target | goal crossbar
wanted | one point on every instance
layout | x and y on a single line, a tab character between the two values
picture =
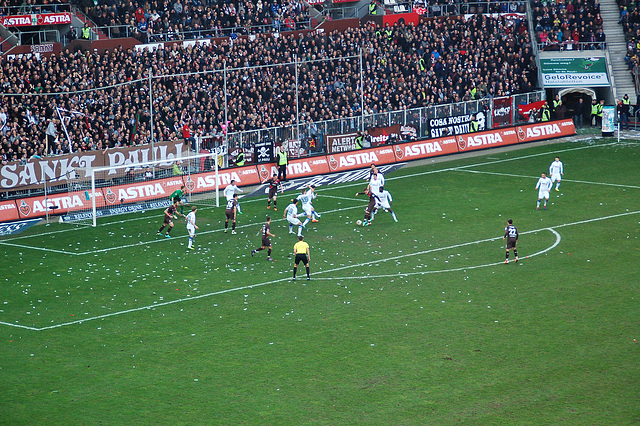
129	170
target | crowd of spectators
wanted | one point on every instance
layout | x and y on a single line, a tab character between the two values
437	62
630	21
568	24
162	20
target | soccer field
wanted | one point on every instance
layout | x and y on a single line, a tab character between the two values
415	322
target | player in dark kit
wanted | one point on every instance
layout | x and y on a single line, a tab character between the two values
511	235
371	208
230	214
273	191
266	243
169	214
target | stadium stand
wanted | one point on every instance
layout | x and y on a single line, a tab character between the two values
437	62
157	21
570	25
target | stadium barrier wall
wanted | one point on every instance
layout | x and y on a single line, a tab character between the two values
117	197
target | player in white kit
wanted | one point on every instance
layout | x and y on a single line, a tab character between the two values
191	226
291	213
305	198
556	171
230	190
376	181
385	202
543	186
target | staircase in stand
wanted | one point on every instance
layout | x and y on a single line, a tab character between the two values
617	46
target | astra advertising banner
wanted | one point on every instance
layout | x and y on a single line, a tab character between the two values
154	194
339	162
37	19
548	130
56	203
8	211
425	149
574	72
302	167
489	139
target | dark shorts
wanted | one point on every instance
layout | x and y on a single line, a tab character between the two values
511	243
167	220
176	199
301	258
273	192
266	242
229	214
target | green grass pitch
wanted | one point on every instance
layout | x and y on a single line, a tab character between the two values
415	322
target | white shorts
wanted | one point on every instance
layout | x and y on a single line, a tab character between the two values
543	194
385	205
191	229
293	220
308	209
556	177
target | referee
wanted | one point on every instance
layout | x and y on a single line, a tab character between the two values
301	250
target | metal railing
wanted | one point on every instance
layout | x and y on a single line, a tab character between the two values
570	46
39	37
435	10
125	31
418	117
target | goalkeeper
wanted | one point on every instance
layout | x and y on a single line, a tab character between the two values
176	197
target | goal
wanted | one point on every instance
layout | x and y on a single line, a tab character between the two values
137	187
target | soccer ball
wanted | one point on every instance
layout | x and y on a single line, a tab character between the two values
358	222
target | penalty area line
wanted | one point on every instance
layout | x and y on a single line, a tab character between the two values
251	286
321	272
39	248
463	268
537	177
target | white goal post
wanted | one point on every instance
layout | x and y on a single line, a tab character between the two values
138	187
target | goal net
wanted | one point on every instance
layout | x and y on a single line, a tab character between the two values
130	188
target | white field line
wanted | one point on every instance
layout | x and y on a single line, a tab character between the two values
345	186
338	198
464	268
163	239
563	179
201	296
552	229
248	225
20	326
39	248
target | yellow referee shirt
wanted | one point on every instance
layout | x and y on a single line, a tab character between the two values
300	247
